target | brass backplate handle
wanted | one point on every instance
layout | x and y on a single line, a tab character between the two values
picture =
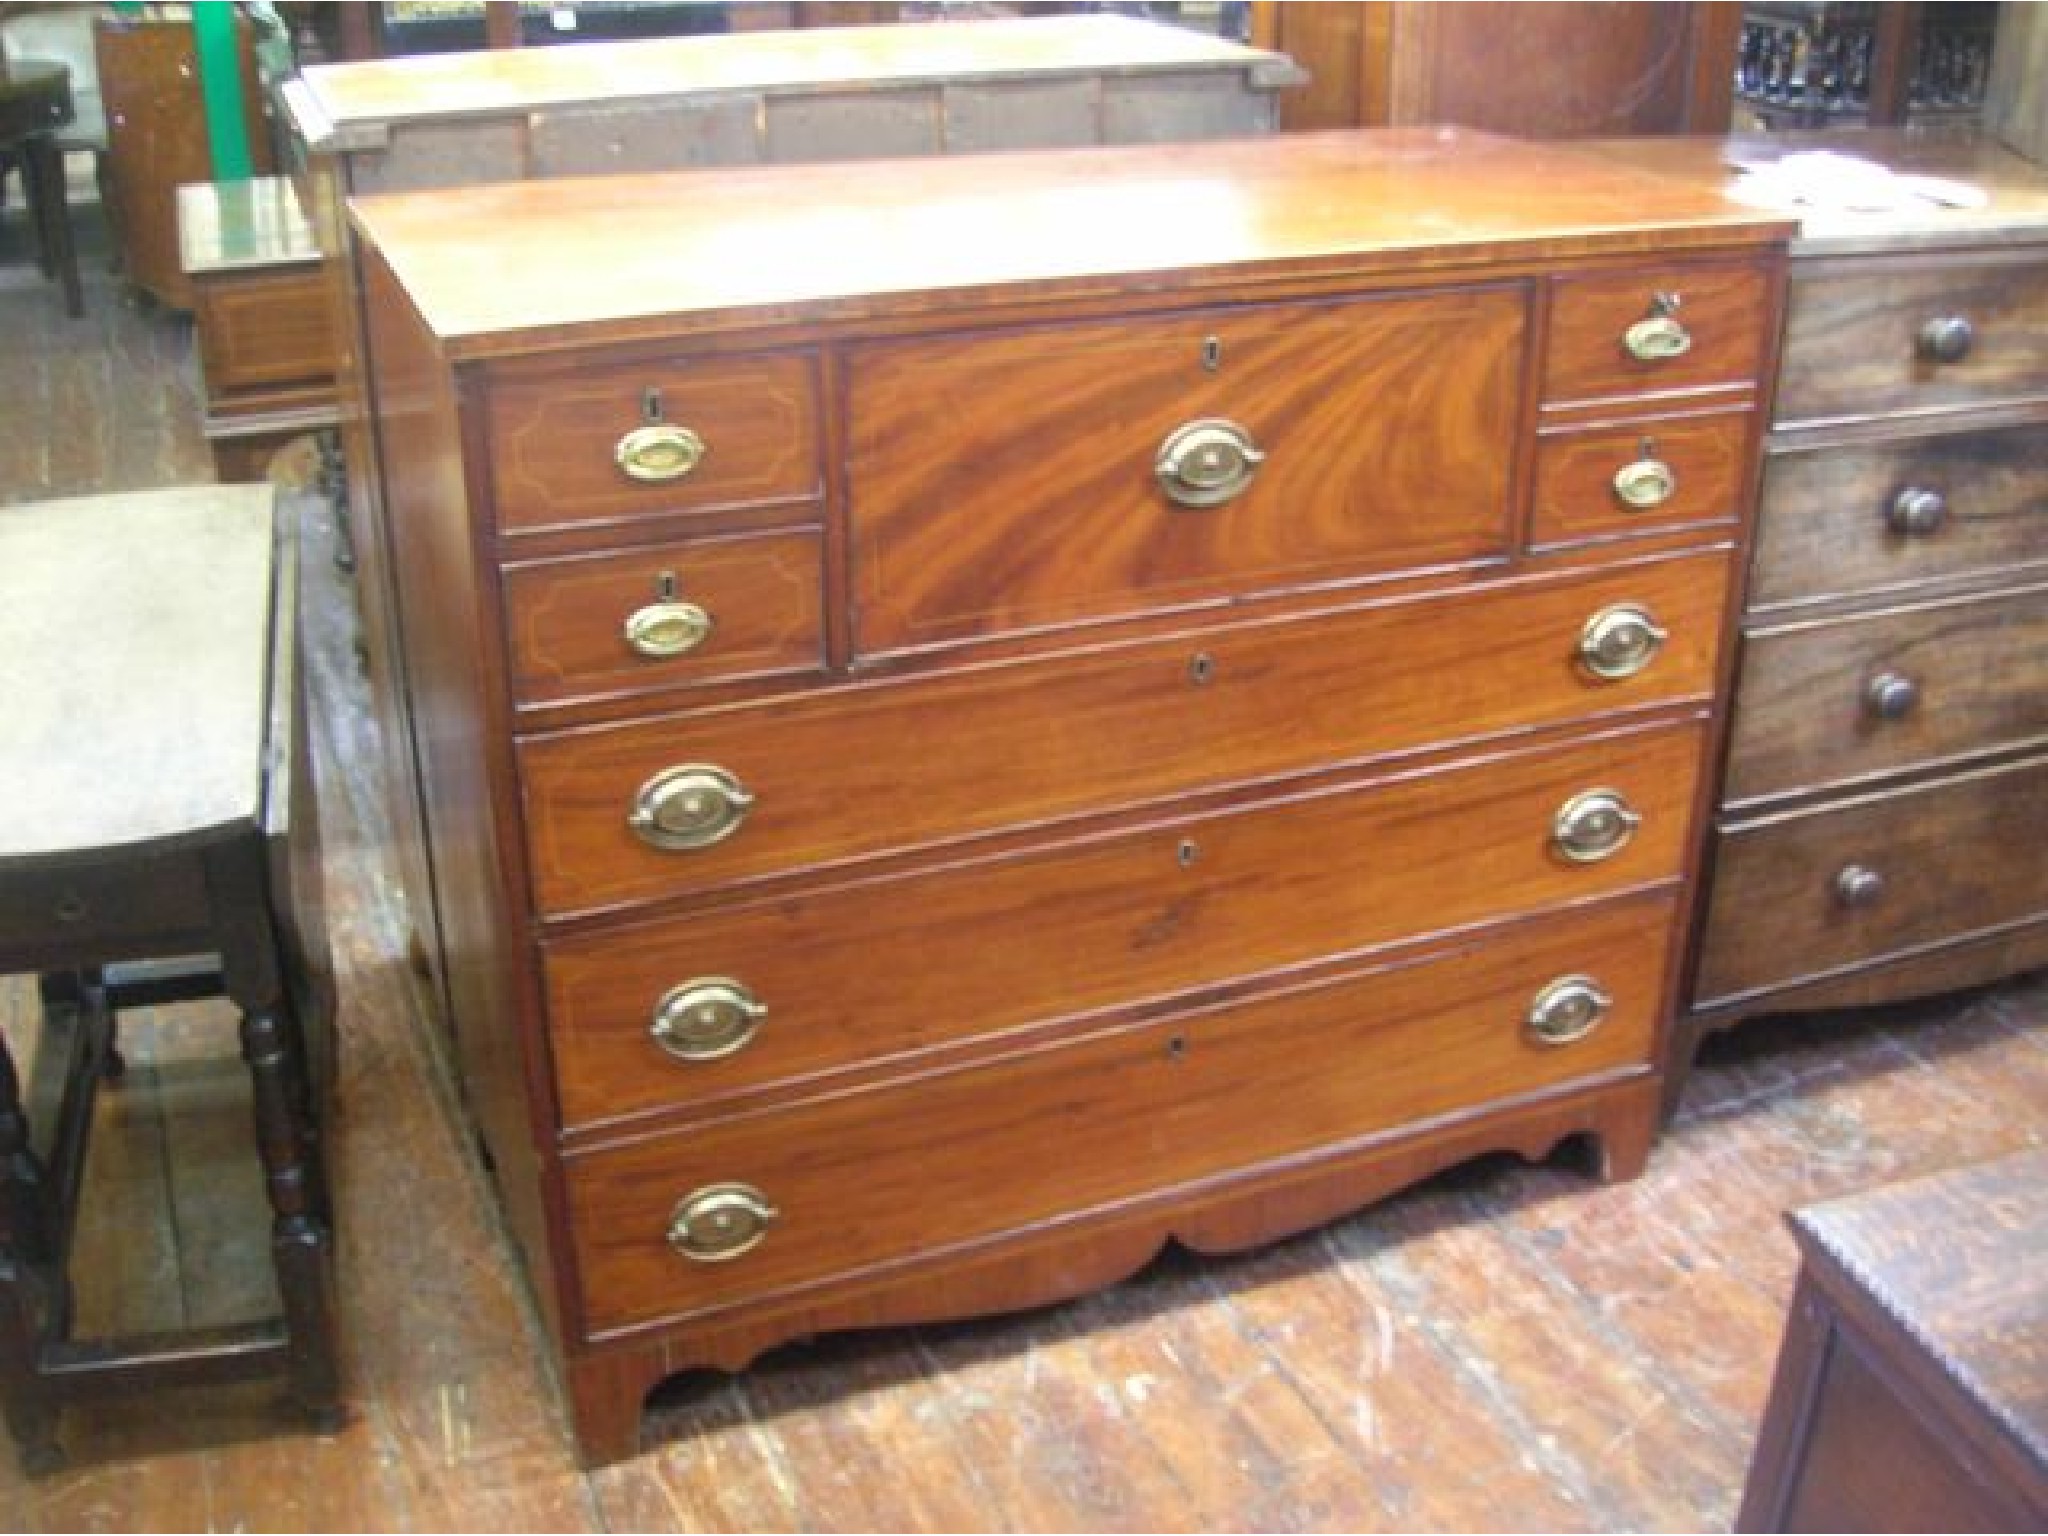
692	805
720	1222
1206	463
1655	338
1594	825
706	1018
660	451
1619	641
1645	483
661	631
1568	1009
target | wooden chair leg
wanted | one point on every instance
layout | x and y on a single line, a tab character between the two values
30	1412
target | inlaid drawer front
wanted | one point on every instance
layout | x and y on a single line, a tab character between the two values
755	1205
1800	896
1895	336
1610	481
1832	702
257	331
1655	330
669	1013
634	620
635	439
1007	481
854	771
1850	520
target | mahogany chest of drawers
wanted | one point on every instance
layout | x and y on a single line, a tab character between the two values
976	722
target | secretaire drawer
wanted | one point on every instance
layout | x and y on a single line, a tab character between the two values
680	1011
1844	521
1883	336
635	439
755	1206
662	616
858	770
1611	481
1014	480
1803	895
1828	703
1654	331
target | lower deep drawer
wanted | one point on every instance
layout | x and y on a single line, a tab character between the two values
862	1181
1805	895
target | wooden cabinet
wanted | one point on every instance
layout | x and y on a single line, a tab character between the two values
1050	733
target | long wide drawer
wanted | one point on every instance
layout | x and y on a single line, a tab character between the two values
849	1184
1007	482
1805	895
1845	521
1829	703
666	1014
859	770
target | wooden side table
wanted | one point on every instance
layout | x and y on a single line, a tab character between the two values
159	805
35	101
1912	1389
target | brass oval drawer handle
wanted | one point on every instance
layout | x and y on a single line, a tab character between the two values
1656	339
663	630
1858	886
1916	511
1946	339
1206	463
1891	695
1567	1010
659	451
692	805
1594	825
1644	484
1620	640
720	1222
706	1018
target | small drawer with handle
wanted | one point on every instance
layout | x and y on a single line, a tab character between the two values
1611	481
1656	331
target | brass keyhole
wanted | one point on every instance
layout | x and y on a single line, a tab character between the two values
1186	854
1177	1047
1201	669
650	404
1212	353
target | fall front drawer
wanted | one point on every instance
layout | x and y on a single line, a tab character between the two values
853	771
749	1207
701	1006
1802	895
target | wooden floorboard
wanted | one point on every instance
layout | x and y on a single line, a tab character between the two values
1504	1347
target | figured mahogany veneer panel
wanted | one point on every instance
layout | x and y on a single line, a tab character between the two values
1576	495
1826	524
1853	350
554	438
1968	672
565	620
861	770
913	1168
865	973
1718	306
1943	853
1000	482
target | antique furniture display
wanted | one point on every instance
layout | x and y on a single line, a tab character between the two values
1912	1387
422	123
35	104
172	818
1885	795
1803	65
1159	694
261	314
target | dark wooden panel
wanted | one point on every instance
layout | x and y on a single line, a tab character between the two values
970	751
263	330
1577	498
1007	482
1591	316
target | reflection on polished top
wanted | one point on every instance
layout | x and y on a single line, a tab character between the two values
739	245
257	222
361	101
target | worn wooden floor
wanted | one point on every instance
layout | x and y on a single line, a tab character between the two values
1504	1348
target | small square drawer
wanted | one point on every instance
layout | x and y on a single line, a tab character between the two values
642	439
1610	481
632	621
1655	331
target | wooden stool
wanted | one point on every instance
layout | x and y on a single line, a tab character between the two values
159	805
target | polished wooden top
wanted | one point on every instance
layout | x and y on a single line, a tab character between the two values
532	264
2016	189
224	226
134	651
353	106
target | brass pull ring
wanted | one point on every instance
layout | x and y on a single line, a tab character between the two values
720	1222
1206	463
1620	641
660	631
706	1018
1644	484
690	806
1594	825
659	451
1656	339
1567	1010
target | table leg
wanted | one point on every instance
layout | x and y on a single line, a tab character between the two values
43	171
31	1415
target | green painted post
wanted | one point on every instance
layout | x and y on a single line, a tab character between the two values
220	85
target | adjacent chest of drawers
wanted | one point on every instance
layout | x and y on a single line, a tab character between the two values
972	729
